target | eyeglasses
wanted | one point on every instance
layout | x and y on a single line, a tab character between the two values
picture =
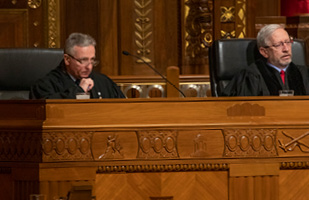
281	44
85	61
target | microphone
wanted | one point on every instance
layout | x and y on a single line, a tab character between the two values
154	69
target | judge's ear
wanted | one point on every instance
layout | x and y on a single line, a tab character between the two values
263	51
66	59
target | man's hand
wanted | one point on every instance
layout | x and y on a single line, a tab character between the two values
87	84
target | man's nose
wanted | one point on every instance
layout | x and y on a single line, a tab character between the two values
285	47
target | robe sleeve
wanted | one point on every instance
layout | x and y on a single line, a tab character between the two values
245	83
49	89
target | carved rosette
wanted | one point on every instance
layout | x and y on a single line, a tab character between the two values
157	144
67	146
250	143
20	146
227	14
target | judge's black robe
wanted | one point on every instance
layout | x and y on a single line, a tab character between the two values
57	84
259	79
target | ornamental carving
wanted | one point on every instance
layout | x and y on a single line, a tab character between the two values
294	143
21	146
34	3
227	14
242	19
67	146
200	146
227	35
143	29
113	148
157	144
53	24
199	29
246	109
163	168
295	165
250	143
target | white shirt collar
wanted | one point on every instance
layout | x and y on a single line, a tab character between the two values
277	68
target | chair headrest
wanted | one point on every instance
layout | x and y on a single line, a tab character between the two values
21	67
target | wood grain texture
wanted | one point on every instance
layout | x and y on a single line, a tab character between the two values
181	148
185	185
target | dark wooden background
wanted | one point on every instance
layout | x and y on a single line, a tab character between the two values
114	24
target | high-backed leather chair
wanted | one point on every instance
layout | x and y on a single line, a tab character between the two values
228	56
21	67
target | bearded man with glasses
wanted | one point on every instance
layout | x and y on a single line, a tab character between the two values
272	73
75	74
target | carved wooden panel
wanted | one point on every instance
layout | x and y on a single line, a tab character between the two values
293	142
60	189
182	185
250	143
294	184
14	28
24	23
254	187
19	145
151	30
67	146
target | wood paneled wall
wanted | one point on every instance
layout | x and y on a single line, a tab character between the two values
162	32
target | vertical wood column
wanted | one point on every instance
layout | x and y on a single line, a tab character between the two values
173	76
254	181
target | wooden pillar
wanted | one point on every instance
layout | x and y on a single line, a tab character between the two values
254	181
173	77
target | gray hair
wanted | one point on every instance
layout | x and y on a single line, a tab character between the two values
265	33
78	39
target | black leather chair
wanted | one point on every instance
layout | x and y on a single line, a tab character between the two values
21	67
228	56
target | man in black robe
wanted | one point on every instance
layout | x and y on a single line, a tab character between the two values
274	72
75	74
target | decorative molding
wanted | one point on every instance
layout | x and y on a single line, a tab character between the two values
294	165
250	143
242	19
34	3
143	31
294	143
113	149
20	146
157	144
53	24
163	168
246	109
67	146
